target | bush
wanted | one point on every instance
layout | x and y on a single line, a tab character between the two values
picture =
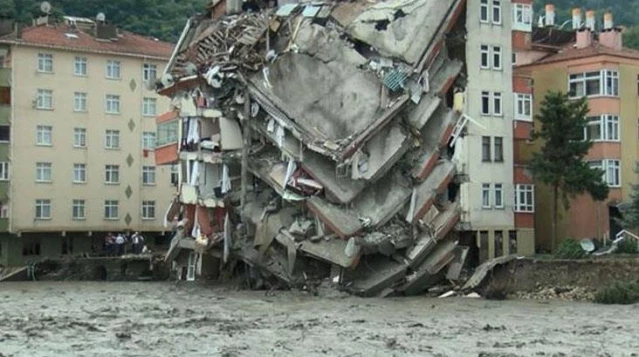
570	249
619	293
627	246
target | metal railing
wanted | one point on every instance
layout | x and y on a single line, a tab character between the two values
619	237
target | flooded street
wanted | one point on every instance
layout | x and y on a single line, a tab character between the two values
162	319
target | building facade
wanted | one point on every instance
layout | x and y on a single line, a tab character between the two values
491	204
78	134
594	65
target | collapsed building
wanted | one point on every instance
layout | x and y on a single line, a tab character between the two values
319	141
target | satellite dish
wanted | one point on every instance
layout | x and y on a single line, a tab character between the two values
587	245
101	17
45	7
167	80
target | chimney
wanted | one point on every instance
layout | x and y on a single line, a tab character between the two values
584	38
590	20
608	24
576	19
550	15
611	38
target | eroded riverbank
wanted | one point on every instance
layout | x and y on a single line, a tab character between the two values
164	319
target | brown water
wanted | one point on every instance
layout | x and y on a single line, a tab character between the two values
162	319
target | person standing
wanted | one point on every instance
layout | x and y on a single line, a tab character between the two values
119	242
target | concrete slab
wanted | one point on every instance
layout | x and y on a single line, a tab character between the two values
424	275
374	275
332	251
339	189
401	29
341	221
438	180
434	135
384	149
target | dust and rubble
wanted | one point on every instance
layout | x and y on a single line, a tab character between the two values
317	143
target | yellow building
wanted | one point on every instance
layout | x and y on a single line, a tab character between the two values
598	67
78	132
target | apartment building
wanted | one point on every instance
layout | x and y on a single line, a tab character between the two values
492	199
593	63
77	134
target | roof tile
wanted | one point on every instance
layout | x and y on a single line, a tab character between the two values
127	43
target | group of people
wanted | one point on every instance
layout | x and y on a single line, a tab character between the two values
124	243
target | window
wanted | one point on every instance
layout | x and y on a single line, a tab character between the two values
523	106
112	104
499	243
5	133
78	210
111	209
43	135
112	139
79	173
485	149
497	12
499	149
80	102
4	171
485	62
499	195
148	140
497	107
524	198
497	57
4	213
79	137
43	209
45	62
611	171
602	82
483	11
148	209
175	174
514	59
485	103
485	195
602	128
112	174
44	99
167	133
148	175
149	107
43	172
113	69
522	17
80	66
149	72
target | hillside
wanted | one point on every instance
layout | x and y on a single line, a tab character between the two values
626	12
163	19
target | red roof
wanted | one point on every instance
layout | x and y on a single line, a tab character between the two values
61	36
571	53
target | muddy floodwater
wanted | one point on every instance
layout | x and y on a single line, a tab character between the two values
165	319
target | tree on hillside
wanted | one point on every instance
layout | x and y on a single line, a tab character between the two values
559	164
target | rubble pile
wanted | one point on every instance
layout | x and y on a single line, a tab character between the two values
318	140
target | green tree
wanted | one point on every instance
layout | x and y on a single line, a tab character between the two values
559	164
630	218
